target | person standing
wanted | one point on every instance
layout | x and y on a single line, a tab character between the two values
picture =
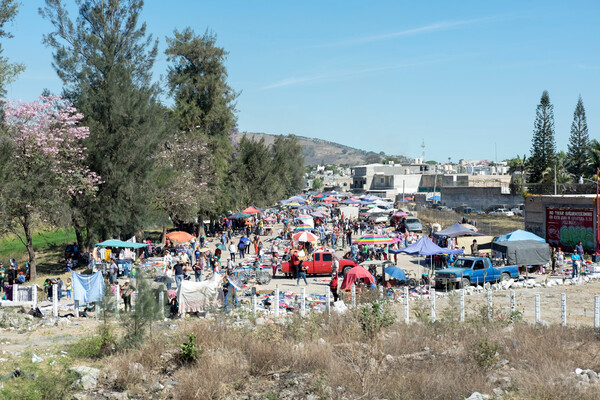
474	248
126	292
232	251
69	288
575	259
294	261
242	248
553	259
579	250
333	285
2	273
198	269
112	271
168	276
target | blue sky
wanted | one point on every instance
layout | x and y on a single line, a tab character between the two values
465	76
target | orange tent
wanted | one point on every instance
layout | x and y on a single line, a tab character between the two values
251	210
179	236
329	199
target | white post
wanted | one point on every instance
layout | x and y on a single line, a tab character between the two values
15	289
537	308
597	312
55	300
254	305
161	300
328	300
303	302
117	295
432	299
76	308
462	305
563	309
381	292
489	304
353	295
512	301
34	296
276	301
406	315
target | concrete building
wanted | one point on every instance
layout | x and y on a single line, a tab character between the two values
387	180
563	220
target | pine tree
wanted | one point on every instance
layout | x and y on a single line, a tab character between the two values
105	58
204	111
543	147
578	142
8	71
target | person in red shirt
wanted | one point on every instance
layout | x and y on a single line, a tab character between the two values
294	261
333	286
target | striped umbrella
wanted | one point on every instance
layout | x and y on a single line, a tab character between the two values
305	237
303	227
376	239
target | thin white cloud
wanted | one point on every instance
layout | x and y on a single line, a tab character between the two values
438	26
344	74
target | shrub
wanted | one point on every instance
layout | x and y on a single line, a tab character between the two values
485	353
95	347
189	350
375	317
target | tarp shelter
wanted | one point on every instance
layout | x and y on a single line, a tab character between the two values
200	296
251	210
519	234
434	198
87	288
329	199
376	210
238	215
351	201
369	197
354	274
457	230
524	252
121	243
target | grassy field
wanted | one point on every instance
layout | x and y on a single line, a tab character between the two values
491	225
49	246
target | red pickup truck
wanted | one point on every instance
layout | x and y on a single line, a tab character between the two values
320	263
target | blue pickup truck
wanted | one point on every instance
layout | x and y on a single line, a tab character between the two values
473	270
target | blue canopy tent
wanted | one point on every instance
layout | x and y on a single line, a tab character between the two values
434	198
425	247
519	234
121	244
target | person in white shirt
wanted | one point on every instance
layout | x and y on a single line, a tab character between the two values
232	250
168	261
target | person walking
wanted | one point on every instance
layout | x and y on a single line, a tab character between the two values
232	250
301	273
333	285
126	292
178	269
242	248
198	269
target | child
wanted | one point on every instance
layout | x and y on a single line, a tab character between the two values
69	287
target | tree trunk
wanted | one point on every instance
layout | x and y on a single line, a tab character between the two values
29	246
79	235
200	225
163	236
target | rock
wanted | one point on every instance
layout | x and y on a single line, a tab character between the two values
88	376
117	396
340	389
321	341
389	358
312	396
578	371
260	321
36	359
156	387
63	323
478	396
498	392
276	377
501	363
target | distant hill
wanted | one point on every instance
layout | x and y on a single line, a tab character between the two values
323	152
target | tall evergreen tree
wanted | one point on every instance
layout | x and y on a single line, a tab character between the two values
204	110
105	58
8	71
288	164
578	141
543	146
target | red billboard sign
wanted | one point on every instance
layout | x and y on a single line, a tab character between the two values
565	227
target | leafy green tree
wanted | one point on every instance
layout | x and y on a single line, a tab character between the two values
287	166
8	71
593	155
317	184
543	146
204	112
104	58
578	142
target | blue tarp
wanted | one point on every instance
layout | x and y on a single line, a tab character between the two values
121	243
87	288
519	234
396	273
434	198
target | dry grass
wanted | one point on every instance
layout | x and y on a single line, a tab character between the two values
443	360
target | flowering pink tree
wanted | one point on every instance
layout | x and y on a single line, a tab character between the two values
43	166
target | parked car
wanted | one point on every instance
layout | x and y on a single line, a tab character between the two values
471	210
320	263
519	210
413	224
503	211
474	270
